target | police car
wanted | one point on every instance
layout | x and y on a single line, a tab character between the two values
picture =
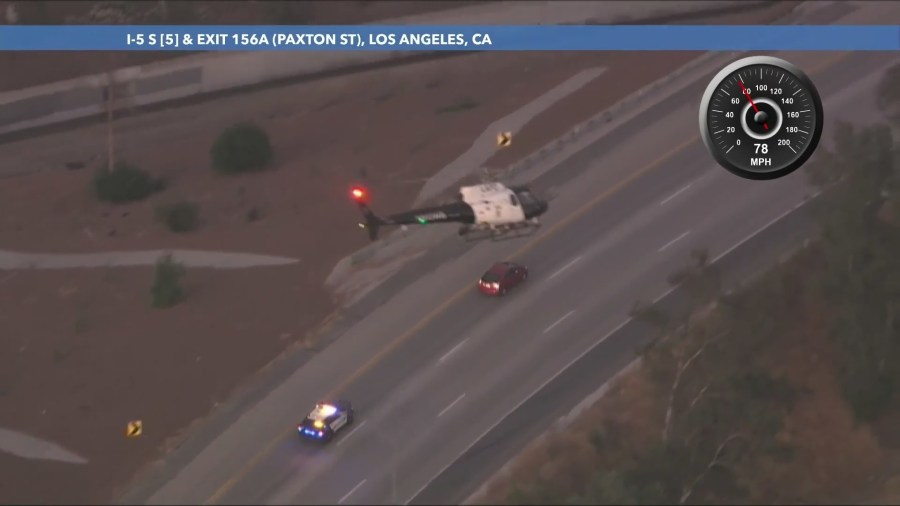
323	422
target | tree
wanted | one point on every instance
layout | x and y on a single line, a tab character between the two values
722	410
608	488
533	494
862	267
125	183
684	362
179	217
717	462
658	474
167	290
651	315
243	147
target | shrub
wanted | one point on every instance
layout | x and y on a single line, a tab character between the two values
167	290
182	216
241	148
125	183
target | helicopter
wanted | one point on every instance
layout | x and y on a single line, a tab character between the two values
488	210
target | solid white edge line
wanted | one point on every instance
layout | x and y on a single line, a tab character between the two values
557	322
762	228
590	348
677	193
348	494
517	406
564	267
360	426
452	350
673	241
452	404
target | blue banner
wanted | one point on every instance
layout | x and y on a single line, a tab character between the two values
452	38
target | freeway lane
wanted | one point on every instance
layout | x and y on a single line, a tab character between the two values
291	469
532	335
247	442
396	373
580	380
575	382
227	461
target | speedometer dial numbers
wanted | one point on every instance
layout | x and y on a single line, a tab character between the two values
761	117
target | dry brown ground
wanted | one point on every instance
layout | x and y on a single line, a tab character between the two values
85	353
20	70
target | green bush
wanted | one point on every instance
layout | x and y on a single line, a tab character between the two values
243	147
167	290
182	216
125	183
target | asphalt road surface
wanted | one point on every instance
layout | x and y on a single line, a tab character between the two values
437	366
438	389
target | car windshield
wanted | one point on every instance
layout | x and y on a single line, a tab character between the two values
494	275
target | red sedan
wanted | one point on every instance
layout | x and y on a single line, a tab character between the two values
501	278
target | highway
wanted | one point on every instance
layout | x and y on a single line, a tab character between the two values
436	368
472	361
474	364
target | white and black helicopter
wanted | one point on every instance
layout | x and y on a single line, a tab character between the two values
489	210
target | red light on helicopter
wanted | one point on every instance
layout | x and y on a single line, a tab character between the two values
359	194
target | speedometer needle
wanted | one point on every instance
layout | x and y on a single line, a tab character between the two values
755	109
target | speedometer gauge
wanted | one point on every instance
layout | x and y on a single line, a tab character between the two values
761	117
